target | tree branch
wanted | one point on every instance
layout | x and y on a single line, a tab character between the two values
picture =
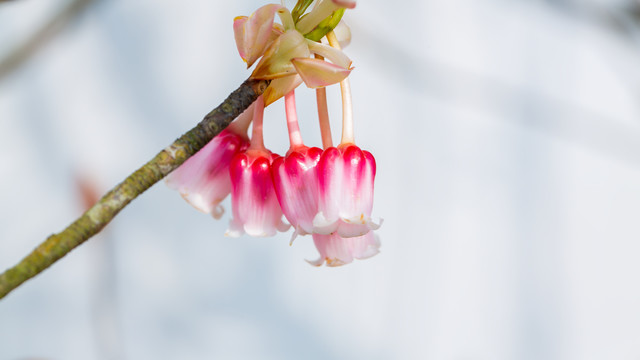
97	217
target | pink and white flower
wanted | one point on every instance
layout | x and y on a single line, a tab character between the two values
295	176
256	211
296	180
203	180
336	250
345	192
326	193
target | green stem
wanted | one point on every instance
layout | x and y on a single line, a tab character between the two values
97	217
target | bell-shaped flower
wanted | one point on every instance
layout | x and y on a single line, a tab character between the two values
336	250
203	180
296	181
345	201
253	198
255	206
295	176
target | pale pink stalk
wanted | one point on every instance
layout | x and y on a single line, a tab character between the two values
295	137
253	198
345	178
257	138
336	250
203	180
347	106
323	114
323	117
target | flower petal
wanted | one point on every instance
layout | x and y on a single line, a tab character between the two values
322	11
318	73
276	61
329	191
203	180
349	229
296	182
343	33
279	87
332	54
254	33
348	4
254	203
337	251
345	192
324	225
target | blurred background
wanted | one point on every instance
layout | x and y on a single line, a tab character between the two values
507	136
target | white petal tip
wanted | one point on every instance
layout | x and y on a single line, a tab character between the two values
233	234
234	230
335	262
315	263
217	212
324	226
293	237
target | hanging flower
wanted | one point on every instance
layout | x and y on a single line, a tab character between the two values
345	193
336	250
203	180
296	180
345	178
256	211
326	193
295	176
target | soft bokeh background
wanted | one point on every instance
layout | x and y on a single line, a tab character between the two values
507	135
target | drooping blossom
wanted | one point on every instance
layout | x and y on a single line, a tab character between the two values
255	207
203	180
336	250
342	228
345	192
296	178
345	176
326	193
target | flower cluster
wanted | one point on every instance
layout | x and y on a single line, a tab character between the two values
326	193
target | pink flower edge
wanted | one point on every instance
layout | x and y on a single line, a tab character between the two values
337	251
203	180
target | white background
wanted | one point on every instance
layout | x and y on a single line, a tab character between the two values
507	136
